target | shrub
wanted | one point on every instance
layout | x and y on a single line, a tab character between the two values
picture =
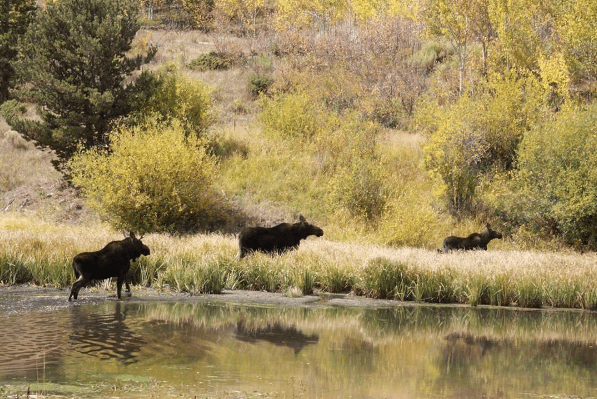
154	178
479	135
176	97
291	115
212	61
259	84
555	186
12	109
360	189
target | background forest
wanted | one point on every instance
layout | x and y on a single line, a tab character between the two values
392	122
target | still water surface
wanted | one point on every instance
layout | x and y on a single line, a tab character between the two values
216	349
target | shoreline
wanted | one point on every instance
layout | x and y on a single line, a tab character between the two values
24	298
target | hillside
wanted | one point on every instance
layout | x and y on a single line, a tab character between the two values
392	126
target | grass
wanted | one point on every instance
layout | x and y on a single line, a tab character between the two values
40	253
273	180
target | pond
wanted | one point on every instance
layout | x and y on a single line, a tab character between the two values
210	348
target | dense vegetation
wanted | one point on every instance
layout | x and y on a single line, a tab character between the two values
391	122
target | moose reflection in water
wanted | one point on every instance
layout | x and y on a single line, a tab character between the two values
464	353
105	335
276	334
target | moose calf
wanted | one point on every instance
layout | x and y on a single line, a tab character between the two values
111	261
473	241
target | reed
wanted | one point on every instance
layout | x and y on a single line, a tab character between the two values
41	253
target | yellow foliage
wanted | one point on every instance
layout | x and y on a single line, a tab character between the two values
292	115
555	77
177	97
480	134
578	23
302	13
155	178
515	22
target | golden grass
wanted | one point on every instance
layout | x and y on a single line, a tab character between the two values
41	253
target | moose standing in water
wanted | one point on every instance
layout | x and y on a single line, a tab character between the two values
473	241
114	260
278	239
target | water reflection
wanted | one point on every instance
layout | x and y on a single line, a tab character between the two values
104	335
204	349
277	334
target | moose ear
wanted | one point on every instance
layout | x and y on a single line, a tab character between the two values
128	234
302	219
488	226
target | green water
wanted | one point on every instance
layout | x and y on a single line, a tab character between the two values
130	349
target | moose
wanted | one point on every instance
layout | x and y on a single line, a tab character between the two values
473	241
276	240
111	261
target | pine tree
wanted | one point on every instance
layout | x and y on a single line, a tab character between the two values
74	63
15	16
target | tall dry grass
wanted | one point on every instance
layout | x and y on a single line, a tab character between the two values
41	253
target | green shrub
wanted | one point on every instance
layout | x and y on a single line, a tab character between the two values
357	179
154	178
259	84
212	61
554	188
12	109
360	188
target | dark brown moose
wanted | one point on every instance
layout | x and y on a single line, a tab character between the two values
473	241
111	261
278	239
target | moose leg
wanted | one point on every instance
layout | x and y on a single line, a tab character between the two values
119	286
241	253
77	285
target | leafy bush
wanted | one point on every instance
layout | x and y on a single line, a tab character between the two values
12	109
154	178
359	188
212	61
174	97
555	186
259	84
291	115
479	135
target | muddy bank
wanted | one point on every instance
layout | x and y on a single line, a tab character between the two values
25	298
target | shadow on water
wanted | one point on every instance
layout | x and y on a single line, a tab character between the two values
104	335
